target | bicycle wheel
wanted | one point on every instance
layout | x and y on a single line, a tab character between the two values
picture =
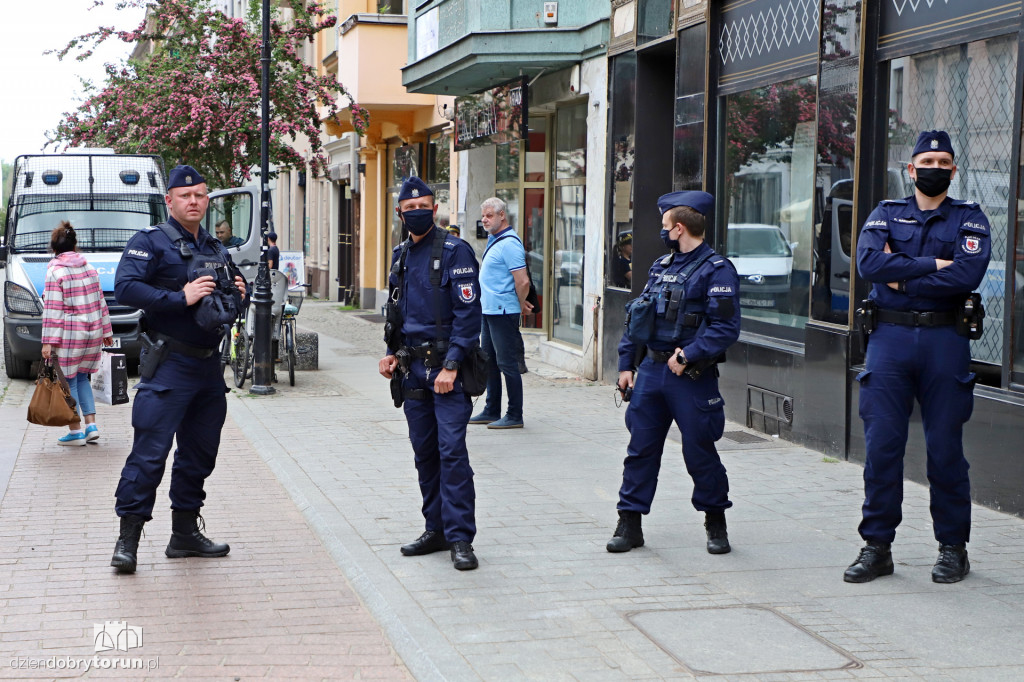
289	345
240	358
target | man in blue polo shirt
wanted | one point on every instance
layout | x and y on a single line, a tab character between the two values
504	284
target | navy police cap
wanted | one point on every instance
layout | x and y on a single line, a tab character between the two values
933	141
414	188
701	202
184	176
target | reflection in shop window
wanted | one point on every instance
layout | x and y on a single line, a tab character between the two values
768	203
958	89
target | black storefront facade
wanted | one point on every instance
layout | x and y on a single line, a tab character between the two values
799	116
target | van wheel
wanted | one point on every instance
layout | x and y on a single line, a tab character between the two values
16	369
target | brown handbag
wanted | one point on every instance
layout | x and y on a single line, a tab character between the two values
52	404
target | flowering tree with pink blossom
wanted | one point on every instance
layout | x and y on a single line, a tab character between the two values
196	98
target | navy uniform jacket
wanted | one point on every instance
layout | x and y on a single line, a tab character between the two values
460	295
956	231
712	290
153	272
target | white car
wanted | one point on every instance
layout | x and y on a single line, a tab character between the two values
764	263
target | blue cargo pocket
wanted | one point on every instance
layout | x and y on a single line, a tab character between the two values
129	475
966	394
864	379
712	415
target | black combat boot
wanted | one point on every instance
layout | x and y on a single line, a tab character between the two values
463	557
875	559
952	566
718	536
628	533
127	547
187	540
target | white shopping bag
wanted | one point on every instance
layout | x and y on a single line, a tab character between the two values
110	384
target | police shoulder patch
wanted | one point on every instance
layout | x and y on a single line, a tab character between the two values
720	290
141	254
467	292
467	270
971	244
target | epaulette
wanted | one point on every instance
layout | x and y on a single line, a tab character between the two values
964	202
717	261
396	247
893	202
150	228
448	244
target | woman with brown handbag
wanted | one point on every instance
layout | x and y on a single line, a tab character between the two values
76	321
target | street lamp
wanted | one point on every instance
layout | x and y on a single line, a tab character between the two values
262	298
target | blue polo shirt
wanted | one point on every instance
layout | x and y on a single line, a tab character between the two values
504	255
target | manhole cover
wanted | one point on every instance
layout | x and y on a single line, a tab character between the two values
743	437
738	641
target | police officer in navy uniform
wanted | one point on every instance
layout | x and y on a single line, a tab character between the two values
436	407
922	254
697	318
184	397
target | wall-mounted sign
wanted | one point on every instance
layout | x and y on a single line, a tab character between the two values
496	116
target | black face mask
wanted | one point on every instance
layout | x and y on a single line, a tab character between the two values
418	221
933	181
670	244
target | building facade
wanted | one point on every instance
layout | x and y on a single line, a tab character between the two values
529	122
800	116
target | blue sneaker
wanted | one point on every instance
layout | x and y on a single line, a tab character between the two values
72	439
506	422
482	418
92	433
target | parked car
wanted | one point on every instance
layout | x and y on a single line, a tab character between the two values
569	265
764	263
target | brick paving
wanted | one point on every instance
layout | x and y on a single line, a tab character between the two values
277	607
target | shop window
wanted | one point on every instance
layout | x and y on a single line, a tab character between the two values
654	20
438	174
569	227
507	162
403	163
236	211
769	166
832	257
688	154
958	89
623	128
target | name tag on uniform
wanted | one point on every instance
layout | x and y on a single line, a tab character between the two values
670	278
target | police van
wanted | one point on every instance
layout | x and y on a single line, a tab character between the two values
107	197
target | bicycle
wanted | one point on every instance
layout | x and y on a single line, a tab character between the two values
235	351
291	309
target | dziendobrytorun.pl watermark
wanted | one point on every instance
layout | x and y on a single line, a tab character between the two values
84	663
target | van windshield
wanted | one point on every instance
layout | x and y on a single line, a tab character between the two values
107	226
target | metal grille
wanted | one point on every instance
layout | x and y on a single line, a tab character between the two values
967	90
767	410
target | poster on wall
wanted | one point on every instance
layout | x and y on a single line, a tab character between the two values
294	267
496	116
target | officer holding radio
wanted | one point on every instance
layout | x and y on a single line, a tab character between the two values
433	325
924	255
676	333
177	274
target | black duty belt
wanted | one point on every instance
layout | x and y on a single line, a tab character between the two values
913	318
660	355
432	354
416	393
176	346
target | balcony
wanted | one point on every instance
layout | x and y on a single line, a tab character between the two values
459	47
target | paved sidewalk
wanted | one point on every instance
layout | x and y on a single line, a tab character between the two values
276	607
549	603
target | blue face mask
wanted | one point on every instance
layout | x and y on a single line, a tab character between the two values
672	244
418	221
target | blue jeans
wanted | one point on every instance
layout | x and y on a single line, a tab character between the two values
81	391
501	340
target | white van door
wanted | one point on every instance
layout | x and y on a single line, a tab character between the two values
233	217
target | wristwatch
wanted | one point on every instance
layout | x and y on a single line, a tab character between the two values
681	358
452	365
